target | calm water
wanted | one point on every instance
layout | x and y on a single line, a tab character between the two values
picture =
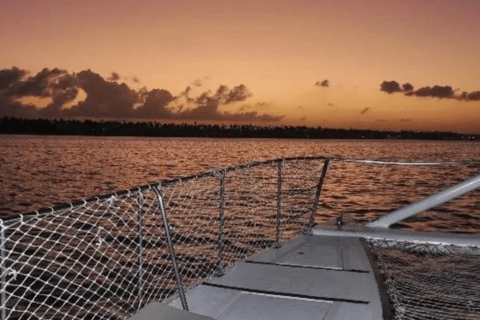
39	171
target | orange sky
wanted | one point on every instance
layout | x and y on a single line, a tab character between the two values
277	49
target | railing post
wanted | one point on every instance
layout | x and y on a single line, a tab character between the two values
279	203
313	209
221	222
172	251
140	201
3	271
426	203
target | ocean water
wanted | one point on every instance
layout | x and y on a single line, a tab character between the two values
41	171
84	262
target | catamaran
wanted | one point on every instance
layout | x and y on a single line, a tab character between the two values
241	242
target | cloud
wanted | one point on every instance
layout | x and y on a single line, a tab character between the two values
407	87
9	77
364	111
406	120
472	96
186	93
40	85
197	83
323	83
155	104
136	80
55	84
262	104
436	91
390	86
226	96
114	77
207	106
105	98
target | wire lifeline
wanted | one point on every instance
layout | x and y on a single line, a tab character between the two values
252	164
400	163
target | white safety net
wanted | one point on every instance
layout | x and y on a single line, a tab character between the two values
429	281
107	257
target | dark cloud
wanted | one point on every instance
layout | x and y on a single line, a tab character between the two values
136	80
224	95
407	87
472	96
390	86
105	98
209	103
437	91
155	104
186	94
40	85
197	83
9	77
55	84
238	93
323	83
364	111
208	106
114	77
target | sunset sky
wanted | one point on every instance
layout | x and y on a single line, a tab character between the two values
335	63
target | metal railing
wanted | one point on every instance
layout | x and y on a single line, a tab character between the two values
427	203
106	257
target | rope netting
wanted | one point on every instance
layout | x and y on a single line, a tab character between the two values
105	258
429	281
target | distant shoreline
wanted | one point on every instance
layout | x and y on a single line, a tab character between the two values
10	125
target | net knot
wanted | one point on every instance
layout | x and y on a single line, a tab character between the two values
12	272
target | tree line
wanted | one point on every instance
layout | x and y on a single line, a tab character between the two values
12	125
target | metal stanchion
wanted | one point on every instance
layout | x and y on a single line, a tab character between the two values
221	222
279	203
172	251
3	271
313	210
140	201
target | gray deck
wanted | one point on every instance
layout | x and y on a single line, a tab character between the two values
312	277
160	311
